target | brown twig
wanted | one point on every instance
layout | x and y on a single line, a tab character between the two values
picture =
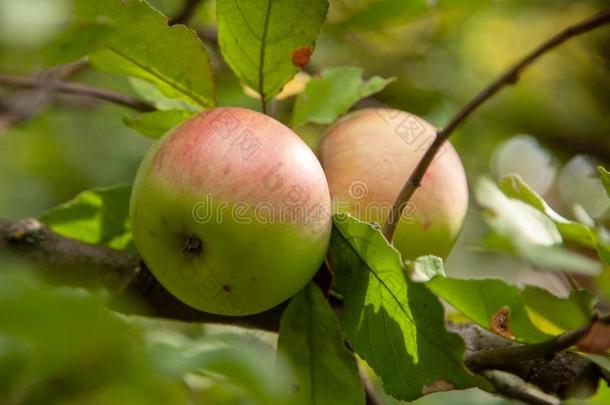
511	76
506	355
506	386
20	106
70	261
563	374
76	89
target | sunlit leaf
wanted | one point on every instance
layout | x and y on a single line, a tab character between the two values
481	300
98	216
523	230
425	268
266	42
396	325
138	42
514	187
327	97
565	313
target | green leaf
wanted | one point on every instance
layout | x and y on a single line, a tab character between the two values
514	218
396	325
480	301
237	364
515	187
260	39
142	45
68	337
605	176
332	94
564	313
311	340
522	229
160	101
425	268
98	216
156	123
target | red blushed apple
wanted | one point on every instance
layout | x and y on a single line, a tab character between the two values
369	155
231	212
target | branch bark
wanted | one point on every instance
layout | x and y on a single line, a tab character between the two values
124	274
75	89
511	76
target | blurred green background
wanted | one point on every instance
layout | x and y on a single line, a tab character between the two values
441	56
553	127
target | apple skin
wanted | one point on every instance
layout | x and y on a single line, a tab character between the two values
369	154
210	212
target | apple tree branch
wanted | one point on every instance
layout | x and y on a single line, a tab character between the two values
59	259
509	77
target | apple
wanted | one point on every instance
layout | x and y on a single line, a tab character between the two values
231	212
368	156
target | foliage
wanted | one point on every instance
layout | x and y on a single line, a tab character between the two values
394	324
63	345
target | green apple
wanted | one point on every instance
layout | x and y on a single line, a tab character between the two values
368	155
231	212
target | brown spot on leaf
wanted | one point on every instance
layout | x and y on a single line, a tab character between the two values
438	385
301	56
500	323
227	288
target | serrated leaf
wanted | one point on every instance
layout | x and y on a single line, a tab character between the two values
155	124
481	300
265	42
332	94
98	216
605	176
142	45
325	372
396	325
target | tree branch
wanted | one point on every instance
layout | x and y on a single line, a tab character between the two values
511	76
506	386
75	89
70	261
564	373
507	355
125	275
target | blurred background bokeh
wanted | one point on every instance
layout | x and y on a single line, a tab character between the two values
552	128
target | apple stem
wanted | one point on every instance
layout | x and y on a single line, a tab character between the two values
509	77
